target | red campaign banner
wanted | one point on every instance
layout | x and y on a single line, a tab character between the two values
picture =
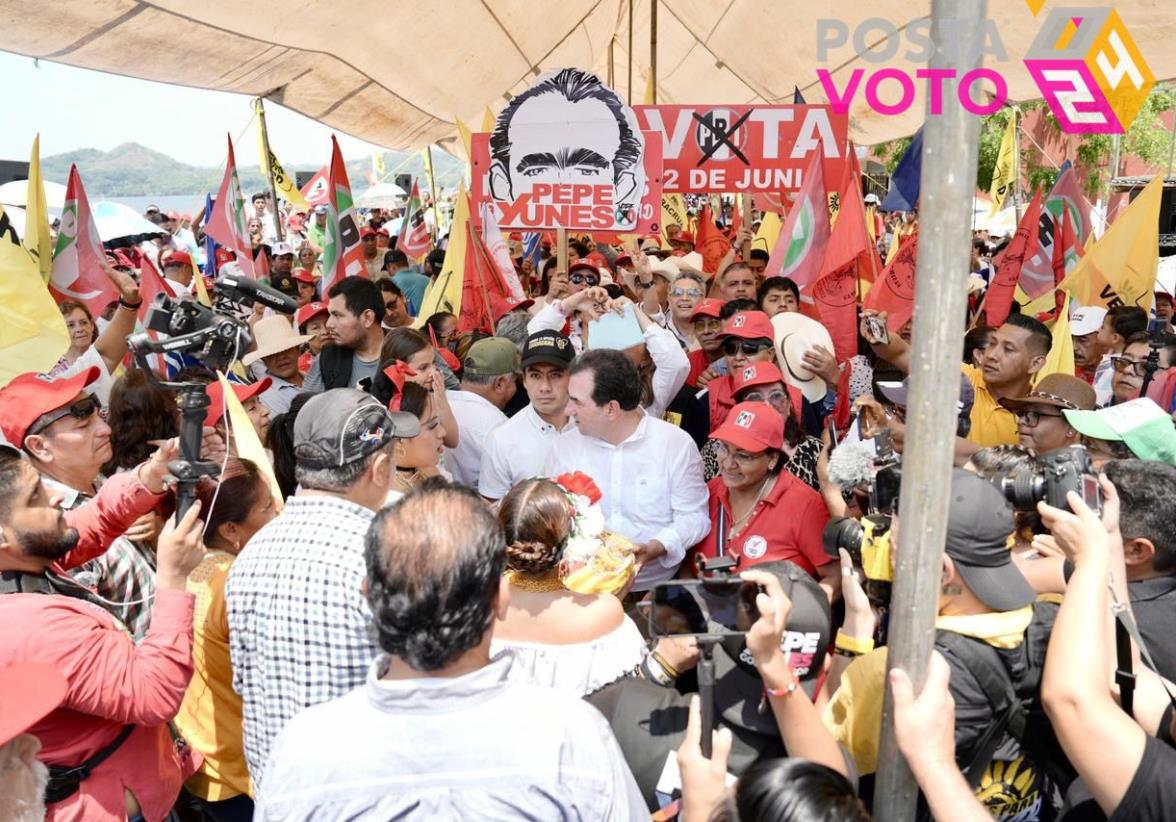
539	203
744	148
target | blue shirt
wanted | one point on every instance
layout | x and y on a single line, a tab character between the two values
413	283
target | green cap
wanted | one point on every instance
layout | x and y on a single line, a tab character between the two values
1140	424
491	357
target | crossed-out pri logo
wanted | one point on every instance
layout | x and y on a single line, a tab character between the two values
1089	70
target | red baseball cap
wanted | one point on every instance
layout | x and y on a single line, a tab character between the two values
366	232
583	264
302	276
223	255
756	373
216	409
29	691
308	312
30	395
624	258
501	306
683	237
749	325
708	307
177	258
752	426
382	232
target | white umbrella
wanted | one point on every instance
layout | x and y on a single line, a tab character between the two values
382	195
116	221
15	193
1166	275
16	215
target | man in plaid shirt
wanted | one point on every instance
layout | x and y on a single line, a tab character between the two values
299	626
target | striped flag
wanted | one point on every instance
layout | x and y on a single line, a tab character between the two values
227	222
342	251
78	258
413	239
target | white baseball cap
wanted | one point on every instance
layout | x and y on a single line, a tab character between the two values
1086	320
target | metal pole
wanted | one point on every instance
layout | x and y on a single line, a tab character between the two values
611	46
1172	142
653	50
629	96
1016	160
432	191
950	148
269	166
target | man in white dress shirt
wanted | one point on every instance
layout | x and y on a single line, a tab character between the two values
518	449
487	385
649	471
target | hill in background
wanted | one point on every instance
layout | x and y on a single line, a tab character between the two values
131	170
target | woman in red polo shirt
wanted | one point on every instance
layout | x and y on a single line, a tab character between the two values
758	511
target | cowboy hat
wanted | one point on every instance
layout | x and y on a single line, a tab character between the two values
274	335
796	334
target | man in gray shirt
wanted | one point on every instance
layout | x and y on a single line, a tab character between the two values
354	312
439	730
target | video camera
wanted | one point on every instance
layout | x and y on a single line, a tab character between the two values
216	337
1052	476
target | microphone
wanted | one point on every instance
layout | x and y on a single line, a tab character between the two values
249	291
851	464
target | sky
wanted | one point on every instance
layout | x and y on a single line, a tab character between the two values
73	108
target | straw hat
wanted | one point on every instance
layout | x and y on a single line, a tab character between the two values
796	334
273	335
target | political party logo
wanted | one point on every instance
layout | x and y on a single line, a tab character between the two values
738	320
801	241
1084	61
1089	70
748	373
744	419
755	547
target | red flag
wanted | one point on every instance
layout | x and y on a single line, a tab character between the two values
1008	267
1066	195
151	284
413	239
710	242
835	291
315	190
894	292
1065	245
342	249
261	266
482	287
78	258
228	225
800	248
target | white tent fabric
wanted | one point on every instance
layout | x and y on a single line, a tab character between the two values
382	195
398	73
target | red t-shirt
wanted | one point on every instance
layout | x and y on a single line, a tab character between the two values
787	524
698	364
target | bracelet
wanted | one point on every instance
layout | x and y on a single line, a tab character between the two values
786	691
654	673
673	672
132	307
845	653
854	646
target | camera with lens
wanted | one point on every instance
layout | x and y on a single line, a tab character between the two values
211	336
1050	479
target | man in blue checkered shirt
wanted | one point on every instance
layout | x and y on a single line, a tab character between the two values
299	626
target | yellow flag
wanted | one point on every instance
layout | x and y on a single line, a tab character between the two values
36	237
871	211
245	436
769	230
201	291
283	182
444	293
1004	174
378	165
1121	267
673	213
647	99
487	120
467	138
1060	359
32	332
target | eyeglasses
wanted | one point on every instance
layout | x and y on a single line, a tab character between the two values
775	398
584	279
1031	418
81	409
1124	364
707	324
725	452
749	347
685	292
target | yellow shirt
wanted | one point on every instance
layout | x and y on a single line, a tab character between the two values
992	423
210	716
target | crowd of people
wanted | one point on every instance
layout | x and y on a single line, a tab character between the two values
473	572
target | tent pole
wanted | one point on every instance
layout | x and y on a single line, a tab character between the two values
653	50
950	147
611	68
1172	141
629	96
269	166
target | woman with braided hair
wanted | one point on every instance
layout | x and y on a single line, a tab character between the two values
557	638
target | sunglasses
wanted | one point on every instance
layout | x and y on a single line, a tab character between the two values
1031	418
685	292
749	347
584	279
81	409
1125	364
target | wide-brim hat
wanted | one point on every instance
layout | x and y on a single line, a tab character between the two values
1063	391
273	335
796	334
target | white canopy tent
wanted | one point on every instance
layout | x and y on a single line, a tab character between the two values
397	74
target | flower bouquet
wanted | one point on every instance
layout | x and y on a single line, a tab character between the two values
598	560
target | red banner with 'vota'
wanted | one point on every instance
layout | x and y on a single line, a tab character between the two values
744	148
